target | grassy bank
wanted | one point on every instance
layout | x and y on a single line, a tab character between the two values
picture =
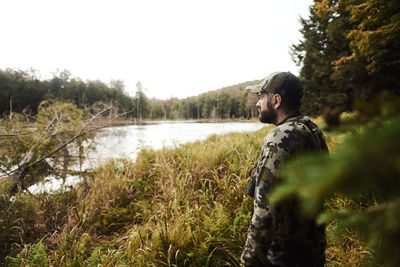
182	206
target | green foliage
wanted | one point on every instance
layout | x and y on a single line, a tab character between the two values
31	255
20	90
23	91
365	168
373	64
324	41
230	102
350	52
28	219
377	36
142	106
100	255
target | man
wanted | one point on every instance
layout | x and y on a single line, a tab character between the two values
280	235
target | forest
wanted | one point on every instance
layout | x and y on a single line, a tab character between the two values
185	205
22	92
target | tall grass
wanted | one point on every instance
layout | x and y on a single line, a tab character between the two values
182	206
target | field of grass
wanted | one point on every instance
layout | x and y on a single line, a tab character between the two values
182	206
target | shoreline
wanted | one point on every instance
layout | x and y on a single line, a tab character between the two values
152	122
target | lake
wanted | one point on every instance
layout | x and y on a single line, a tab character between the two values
126	141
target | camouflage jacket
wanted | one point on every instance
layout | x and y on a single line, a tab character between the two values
279	235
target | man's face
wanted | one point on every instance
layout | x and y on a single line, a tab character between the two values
267	113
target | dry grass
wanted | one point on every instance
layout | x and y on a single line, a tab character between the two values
182	206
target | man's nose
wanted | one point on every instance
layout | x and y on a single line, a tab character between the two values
258	104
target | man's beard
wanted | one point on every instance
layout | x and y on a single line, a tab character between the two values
269	115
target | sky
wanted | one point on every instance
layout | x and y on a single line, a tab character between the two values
175	48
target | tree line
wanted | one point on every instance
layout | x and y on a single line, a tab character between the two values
22	92
230	102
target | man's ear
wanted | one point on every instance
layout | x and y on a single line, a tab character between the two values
276	101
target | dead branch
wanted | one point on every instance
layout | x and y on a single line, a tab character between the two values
28	164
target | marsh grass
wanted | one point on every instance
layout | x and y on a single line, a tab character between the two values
346	250
182	206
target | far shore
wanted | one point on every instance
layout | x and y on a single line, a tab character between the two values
152	122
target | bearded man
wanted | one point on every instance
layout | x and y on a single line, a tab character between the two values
280	235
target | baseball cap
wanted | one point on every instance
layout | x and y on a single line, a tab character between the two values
275	82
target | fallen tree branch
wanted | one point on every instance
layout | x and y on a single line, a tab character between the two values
79	134
30	165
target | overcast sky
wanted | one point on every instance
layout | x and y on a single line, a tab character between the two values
175	48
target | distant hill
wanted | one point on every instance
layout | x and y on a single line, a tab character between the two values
229	102
236	87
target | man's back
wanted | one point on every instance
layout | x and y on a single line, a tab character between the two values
280	235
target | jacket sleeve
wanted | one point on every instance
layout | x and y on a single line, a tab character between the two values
259	235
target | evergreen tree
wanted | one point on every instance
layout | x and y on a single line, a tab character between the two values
350	52
374	63
141	103
324	42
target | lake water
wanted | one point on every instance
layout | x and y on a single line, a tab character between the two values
126	141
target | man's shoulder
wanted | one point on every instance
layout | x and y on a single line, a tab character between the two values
287	134
289	127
